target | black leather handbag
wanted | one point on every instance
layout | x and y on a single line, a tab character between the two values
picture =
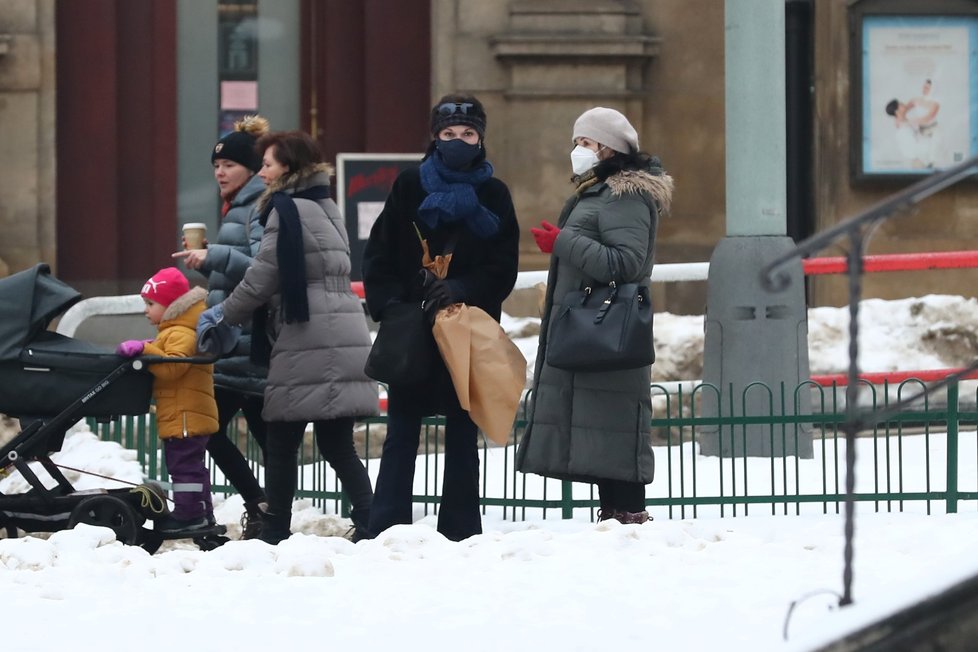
404	350
602	328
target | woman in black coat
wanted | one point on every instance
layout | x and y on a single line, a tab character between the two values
452	198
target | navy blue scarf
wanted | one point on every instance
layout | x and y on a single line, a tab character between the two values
451	197
289	252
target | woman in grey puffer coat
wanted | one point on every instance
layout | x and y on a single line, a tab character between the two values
594	426
315	326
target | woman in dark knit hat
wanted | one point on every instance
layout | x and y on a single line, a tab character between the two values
451	197
595	426
239	383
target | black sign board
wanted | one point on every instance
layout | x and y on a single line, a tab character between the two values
363	182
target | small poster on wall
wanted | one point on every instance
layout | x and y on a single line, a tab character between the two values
919	94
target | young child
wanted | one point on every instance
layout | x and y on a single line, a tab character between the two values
186	413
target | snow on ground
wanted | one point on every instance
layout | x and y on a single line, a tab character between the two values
684	584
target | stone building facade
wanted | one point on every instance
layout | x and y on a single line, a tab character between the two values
537	64
27	142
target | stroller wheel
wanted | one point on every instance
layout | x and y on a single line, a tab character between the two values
111	512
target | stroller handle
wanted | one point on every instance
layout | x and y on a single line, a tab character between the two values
137	363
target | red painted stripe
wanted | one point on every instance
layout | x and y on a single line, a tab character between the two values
892	377
895	262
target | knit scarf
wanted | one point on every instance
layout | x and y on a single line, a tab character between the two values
451	197
291	261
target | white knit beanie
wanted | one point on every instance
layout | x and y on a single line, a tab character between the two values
608	127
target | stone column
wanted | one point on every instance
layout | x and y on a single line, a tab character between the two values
756	340
27	134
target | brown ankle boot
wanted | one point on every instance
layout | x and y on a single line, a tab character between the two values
632	518
606	514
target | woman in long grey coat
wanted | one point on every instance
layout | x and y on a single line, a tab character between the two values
594	426
314	324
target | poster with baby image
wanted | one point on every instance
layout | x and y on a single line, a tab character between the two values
919	108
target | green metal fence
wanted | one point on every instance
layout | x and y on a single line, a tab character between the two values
923	458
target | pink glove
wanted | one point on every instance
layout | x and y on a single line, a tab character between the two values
545	237
130	348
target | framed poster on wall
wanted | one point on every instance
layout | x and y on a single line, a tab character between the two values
914	92
363	182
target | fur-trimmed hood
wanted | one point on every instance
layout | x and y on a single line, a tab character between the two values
183	303
314	175
659	186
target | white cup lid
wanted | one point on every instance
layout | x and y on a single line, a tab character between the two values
194	225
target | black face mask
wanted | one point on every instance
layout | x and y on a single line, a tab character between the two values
456	153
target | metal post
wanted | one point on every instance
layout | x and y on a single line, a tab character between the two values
952	448
740	312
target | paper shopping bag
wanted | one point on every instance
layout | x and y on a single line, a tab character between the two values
487	369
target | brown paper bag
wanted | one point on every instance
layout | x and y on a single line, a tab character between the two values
487	369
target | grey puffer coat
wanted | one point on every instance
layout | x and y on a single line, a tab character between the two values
228	257
316	367
591	426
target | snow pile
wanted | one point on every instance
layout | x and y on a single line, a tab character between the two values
683	584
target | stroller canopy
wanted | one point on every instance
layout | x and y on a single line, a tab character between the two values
29	300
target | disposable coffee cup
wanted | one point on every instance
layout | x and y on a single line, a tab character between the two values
194	234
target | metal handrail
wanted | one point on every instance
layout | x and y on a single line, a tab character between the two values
775	277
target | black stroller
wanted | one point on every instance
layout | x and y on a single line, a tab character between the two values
50	381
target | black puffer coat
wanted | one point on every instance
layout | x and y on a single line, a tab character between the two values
483	271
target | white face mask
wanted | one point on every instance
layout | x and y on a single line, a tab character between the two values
583	159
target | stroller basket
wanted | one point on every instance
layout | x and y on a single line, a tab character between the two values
55	370
42	372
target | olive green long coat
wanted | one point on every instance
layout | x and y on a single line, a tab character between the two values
587	426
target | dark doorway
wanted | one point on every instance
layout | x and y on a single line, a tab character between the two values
366	79
799	89
116	142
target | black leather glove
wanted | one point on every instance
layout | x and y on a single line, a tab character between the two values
438	294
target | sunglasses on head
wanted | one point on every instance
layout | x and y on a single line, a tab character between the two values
450	108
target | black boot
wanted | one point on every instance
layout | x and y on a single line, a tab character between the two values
251	519
275	527
360	518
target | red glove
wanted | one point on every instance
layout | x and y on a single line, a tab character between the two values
545	237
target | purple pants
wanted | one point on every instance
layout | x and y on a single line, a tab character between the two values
191	483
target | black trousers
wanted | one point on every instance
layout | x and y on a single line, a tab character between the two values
621	496
334	437
458	513
225	452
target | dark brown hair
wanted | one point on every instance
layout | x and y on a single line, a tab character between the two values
296	150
